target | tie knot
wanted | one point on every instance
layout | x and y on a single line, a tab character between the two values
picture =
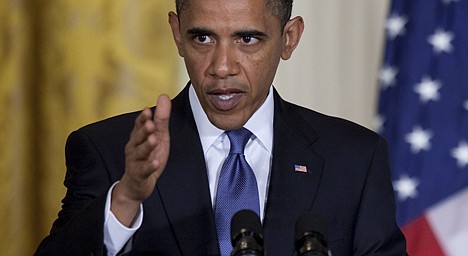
238	139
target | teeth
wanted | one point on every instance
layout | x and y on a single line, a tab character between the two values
226	97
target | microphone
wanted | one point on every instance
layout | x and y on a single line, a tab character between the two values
246	234
311	236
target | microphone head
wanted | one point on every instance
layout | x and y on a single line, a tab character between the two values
311	233
246	234
245	221
311	222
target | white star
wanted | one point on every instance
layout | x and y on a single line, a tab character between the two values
461	154
419	139
396	25
428	89
440	40
465	105
449	1
378	123
406	187
387	76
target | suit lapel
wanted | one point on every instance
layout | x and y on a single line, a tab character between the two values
184	189
291	193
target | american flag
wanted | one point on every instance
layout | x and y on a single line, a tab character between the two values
423	113
300	168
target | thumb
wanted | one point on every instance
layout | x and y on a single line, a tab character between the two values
163	113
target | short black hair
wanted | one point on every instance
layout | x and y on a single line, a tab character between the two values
279	8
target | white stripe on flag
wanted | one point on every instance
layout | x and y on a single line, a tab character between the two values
449	222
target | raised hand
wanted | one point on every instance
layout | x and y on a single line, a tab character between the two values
146	155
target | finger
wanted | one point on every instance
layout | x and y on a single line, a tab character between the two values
148	168
162	115
140	135
144	126
143	117
143	150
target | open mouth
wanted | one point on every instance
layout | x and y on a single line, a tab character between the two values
226	97
226	100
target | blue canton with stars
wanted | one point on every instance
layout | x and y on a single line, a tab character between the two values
423	110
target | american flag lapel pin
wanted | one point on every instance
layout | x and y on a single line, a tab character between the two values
300	168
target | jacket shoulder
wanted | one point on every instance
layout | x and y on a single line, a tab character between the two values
333	128
113	126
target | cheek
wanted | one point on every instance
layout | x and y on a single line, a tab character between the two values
195	67
254	66
261	70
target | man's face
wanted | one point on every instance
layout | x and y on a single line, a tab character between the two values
231	51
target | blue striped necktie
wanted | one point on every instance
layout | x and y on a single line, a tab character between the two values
237	188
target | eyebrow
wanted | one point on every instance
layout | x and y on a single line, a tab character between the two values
200	31
251	33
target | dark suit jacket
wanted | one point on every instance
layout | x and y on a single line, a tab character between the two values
348	183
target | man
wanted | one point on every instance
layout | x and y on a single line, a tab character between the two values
140	183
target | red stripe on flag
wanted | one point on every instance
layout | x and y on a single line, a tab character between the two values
420	239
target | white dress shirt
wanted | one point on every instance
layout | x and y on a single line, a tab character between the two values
215	143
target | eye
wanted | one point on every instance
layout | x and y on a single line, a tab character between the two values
249	40
203	39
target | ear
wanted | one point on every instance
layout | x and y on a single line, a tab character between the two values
292	34
175	27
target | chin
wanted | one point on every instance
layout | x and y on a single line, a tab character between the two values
227	124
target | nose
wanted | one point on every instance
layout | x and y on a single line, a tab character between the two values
225	62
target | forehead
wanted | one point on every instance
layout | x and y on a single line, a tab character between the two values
188	4
246	13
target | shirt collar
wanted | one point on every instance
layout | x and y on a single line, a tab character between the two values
260	123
